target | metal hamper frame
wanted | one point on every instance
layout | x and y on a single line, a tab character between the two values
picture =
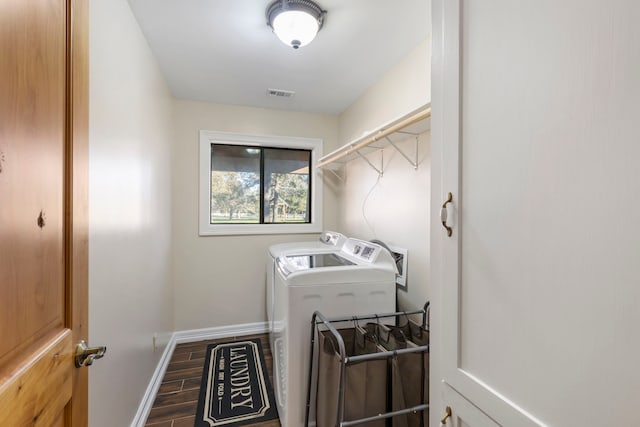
318	319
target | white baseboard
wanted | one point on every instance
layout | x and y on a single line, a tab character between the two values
194	335
154	384
181	337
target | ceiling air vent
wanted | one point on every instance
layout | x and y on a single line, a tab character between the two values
280	93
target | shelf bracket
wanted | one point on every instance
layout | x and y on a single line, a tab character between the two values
380	171
336	174
411	162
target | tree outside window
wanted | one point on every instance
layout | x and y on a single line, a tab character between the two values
247	180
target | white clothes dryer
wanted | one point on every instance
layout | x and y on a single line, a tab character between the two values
356	279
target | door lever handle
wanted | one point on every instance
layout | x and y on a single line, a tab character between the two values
85	355
447	412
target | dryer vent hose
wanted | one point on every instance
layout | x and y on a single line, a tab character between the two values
396	256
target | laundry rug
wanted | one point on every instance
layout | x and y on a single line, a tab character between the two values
235	388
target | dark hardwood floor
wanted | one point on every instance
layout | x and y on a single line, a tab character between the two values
177	399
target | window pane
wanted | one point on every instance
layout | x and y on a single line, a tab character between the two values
286	185
235	184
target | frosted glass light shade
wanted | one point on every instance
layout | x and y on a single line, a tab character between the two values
295	28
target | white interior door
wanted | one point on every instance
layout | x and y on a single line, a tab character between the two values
535	128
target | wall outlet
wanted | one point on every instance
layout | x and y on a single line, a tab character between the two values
161	340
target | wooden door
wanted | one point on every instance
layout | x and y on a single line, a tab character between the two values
43	211
535	132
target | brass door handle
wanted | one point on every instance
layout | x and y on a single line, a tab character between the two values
443	214
85	355
447	412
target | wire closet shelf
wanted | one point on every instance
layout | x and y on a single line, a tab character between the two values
389	134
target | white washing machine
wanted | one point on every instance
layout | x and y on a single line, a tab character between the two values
356	279
329	241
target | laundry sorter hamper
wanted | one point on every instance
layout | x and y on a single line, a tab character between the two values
365	382
373	374
408	372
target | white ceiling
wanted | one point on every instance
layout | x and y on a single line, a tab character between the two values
222	51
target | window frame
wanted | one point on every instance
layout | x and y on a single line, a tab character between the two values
207	138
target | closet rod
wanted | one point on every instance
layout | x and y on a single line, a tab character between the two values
355	146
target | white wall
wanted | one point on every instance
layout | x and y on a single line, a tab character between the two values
220	280
404	88
130	294
395	208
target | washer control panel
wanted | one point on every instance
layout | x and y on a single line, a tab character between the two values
365	251
333	238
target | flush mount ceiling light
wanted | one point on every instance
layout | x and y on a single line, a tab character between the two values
295	22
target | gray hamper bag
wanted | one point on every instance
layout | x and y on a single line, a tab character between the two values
410	376
365	382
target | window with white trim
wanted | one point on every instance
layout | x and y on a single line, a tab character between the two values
252	184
